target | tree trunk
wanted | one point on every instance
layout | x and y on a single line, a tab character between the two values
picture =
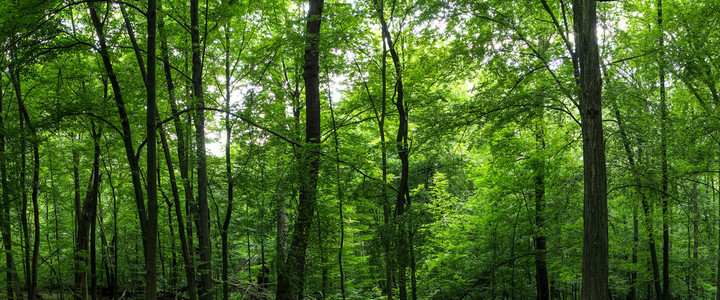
84	222
595	232
228	174
340	200
403	194
643	200
14	77
717	279
696	244
31	272
182	161
151	172
13	290
203	226
541	270
664	165
292	288
93	253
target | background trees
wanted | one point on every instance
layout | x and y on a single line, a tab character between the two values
410	149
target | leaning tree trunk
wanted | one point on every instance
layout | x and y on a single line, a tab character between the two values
595	232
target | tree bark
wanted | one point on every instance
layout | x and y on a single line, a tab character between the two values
228	173
402	201
182	161
595	232
663	160
292	288
151	172
84	222
541	270
203	226
340	201
12	280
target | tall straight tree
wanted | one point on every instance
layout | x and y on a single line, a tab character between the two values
292	288
663	158
203	226
152	216
595	231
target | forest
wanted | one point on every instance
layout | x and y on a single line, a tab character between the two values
359	149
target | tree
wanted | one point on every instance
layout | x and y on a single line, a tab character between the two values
292	288
595	232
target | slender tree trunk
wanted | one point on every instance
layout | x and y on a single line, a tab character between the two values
84	223
717	279
31	265
203	226
228	174
12	281
664	165
696	244
340	201
292	289
541	271
126	135
182	161
595	237
402	201
632	294
643	200
93	253
151	172
386	200
14	77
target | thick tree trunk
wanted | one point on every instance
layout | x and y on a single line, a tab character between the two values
292	288
595	236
